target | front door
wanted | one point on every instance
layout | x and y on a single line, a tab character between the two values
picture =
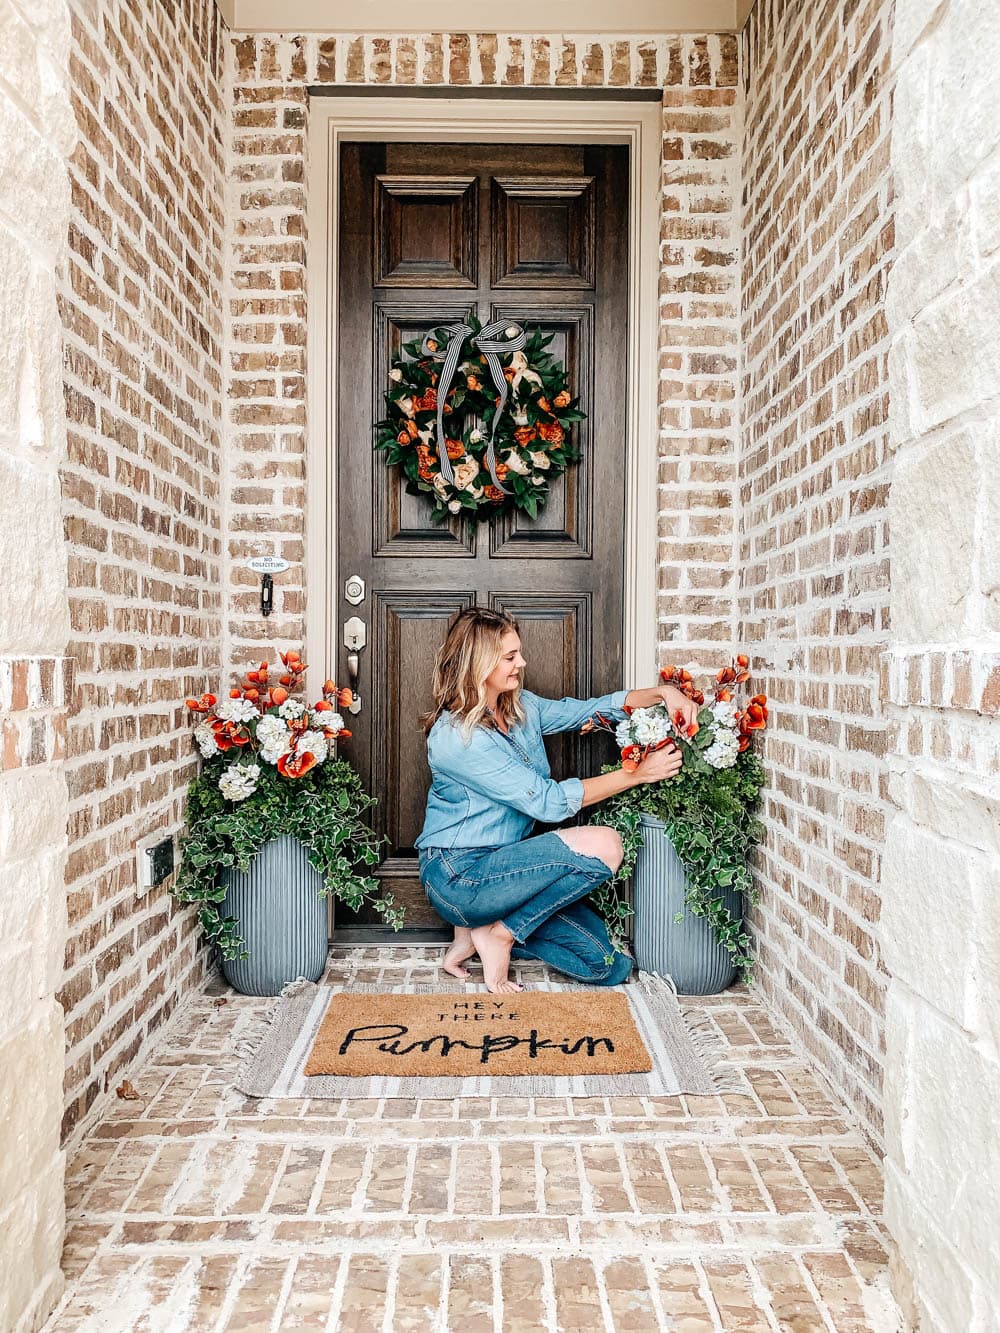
428	234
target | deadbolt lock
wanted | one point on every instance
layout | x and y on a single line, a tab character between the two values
354	589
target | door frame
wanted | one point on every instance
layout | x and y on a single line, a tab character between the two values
639	124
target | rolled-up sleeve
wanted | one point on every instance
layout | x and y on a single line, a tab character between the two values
505	778
570	714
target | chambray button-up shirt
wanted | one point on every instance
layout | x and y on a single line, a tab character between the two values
489	790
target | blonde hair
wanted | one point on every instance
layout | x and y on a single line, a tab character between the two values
470	652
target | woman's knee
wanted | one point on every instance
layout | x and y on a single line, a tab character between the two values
608	846
598	841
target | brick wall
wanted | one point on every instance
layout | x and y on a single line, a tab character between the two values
813	560
36	680
698	292
942	679
142	312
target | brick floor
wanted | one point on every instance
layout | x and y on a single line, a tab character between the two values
196	1208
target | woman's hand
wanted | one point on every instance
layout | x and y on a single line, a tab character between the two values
675	700
660	764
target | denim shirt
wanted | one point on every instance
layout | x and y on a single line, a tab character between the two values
489	790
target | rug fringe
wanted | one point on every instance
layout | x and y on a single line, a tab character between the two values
300	986
247	1049
714	1052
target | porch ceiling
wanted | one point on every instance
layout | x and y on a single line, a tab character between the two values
573	16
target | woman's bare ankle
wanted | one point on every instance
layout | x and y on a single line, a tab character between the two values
493	944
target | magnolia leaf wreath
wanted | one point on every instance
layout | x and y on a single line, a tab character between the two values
479	419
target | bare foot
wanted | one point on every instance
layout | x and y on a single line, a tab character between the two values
459	950
493	944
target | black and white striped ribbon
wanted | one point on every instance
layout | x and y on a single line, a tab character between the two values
492	340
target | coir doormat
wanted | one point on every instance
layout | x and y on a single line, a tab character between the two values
688	1054
465	1036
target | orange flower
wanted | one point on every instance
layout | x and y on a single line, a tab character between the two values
456	449
345	698
278	696
631	758
201	705
424	469
473	382
681	725
296	765
667	673
502	470
329	687
551	432
544	404
754	719
724	696
524	435
228	734
493	492
427	401
562	398
742	660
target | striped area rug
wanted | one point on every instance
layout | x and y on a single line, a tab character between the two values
685	1056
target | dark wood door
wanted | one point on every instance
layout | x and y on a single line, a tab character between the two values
428	234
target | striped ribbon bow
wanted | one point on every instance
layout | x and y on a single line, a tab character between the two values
492	339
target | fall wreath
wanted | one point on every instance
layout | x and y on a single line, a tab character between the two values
501	405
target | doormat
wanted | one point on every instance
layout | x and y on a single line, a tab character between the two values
683	1056
462	1036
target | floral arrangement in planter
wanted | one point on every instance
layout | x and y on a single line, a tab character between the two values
270	769
708	808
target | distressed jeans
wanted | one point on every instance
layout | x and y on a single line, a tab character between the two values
535	888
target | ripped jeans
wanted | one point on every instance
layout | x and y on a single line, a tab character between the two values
535	888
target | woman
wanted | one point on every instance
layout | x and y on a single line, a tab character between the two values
504	892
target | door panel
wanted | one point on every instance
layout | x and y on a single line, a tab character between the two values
428	234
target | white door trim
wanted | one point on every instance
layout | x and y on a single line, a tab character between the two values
481	120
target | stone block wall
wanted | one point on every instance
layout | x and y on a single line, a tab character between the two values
813	480
36	679
142	312
940	926
698	286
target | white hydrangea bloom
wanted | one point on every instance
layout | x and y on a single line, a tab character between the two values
205	740
334	721
724	750
273	737
291	708
651	725
724	711
623	734
312	742
236	710
239	781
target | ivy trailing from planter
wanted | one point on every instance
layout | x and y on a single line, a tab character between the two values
325	810
709	807
709	818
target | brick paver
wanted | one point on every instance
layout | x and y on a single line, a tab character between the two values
196	1209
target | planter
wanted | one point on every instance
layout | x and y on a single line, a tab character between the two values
281	917
686	951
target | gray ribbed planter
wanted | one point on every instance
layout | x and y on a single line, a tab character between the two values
281	918
686	951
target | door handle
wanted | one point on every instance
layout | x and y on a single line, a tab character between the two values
352	680
355	638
